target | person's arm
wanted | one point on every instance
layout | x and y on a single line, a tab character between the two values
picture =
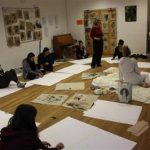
136	67
28	69
120	73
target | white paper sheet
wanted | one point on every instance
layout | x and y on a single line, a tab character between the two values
50	79
108	59
113	111
70	86
77	135
82	61
11	89
111	70
5	118
74	69
143	65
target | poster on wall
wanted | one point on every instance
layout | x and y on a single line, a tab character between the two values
108	20
22	25
130	13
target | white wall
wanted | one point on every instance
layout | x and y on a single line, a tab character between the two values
134	33
12	57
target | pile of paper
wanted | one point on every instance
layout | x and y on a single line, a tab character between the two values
139	128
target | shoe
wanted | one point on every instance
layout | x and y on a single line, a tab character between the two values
92	66
21	85
99	65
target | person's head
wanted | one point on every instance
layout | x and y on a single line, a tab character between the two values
31	57
121	42
24	118
80	43
46	51
96	22
126	51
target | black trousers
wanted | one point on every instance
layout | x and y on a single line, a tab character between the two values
7	77
117	53
97	52
31	76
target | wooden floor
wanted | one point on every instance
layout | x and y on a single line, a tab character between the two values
49	115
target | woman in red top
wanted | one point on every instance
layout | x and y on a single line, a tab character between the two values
97	36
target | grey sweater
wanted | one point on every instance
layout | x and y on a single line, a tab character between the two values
27	69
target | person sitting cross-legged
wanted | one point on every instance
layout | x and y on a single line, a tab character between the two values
46	60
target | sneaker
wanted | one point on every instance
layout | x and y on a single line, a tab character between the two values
21	85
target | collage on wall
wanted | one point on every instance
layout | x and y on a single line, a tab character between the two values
22	25
108	20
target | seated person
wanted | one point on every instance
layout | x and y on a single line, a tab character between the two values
118	50
30	70
80	51
46	60
129	71
22	133
7	77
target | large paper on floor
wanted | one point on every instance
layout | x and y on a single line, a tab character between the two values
143	65
50	99
12	88
5	118
70	86
50	79
81	101
108	59
75	69
113	111
77	135
82	61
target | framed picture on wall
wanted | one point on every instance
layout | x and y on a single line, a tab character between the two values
130	13
22	25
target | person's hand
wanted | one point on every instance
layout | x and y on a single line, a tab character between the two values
46	63
59	146
40	75
46	144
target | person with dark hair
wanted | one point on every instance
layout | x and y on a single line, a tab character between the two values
46	60
118	50
22	133
97	36
7	77
30	70
80	51
129	71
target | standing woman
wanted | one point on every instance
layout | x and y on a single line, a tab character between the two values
97	36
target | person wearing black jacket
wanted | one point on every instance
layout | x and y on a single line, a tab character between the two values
118	50
46	60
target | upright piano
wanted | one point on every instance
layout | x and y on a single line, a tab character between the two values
64	46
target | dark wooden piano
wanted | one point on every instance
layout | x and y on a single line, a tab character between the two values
64	46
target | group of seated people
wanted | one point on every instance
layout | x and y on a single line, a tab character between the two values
31	70
45	63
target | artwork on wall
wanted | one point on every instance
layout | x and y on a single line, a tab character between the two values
22	25
108	24
130	13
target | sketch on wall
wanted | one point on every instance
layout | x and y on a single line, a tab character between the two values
22	25
109	27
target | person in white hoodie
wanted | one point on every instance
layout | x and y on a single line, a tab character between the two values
129	71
